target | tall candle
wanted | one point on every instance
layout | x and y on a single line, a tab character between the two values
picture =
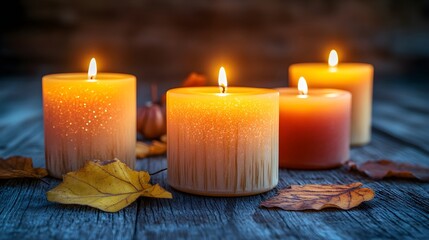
88	116
356	78
222	141
314	127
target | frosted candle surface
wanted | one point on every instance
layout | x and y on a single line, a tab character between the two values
88	119
222	144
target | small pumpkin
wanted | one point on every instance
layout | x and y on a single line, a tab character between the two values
151	120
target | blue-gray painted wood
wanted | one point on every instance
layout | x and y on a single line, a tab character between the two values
400	209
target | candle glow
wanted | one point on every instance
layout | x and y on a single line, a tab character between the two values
302	86
92	69
222	80
333	58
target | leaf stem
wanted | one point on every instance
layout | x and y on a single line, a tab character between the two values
162	170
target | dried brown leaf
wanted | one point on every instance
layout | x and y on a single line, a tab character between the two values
378	169
147	150
20	167
315	196
106	185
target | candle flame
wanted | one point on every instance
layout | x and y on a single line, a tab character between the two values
333	58
223	82
302	86
92	69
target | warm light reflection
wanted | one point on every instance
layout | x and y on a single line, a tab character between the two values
333	58
92	69
302	87
331	95
223	82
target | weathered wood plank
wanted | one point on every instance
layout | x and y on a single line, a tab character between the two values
402	111
400	209
26	214
193	216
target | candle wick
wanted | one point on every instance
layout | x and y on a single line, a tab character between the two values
92	77
223	88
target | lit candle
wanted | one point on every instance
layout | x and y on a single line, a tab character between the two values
314	127
222	141
356	78
88	116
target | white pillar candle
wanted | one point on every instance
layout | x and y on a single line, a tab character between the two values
222	144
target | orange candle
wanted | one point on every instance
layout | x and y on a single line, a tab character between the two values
222	141
314	127
88	116
356	78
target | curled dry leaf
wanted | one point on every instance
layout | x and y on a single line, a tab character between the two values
314	196
146	150
379	169
20	167
106	185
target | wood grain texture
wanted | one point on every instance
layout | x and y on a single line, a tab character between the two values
400	209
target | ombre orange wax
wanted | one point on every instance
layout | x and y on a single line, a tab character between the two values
314	130
222	141
88	117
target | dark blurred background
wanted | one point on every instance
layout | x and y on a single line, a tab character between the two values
162	41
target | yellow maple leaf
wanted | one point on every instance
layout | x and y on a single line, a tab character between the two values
106	185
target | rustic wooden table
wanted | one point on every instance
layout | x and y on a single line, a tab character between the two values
400	209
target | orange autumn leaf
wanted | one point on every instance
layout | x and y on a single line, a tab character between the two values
20	167
315	196
379	169
163	138
107	185
194	80
147	150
